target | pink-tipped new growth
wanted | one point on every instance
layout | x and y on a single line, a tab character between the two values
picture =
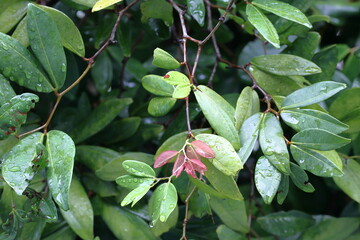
164	157
202	149
178	165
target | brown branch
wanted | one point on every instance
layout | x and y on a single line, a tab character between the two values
186	218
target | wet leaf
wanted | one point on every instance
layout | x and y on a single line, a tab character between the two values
163	59
267	179
283	10
283	189
206	188
6	91
226	159
326	59
80	215
162	227
133	182
17	164
45	42
139	169
61	149
319	139
312	94
21	34
12	14
285	65
101	4
300	178
18	65
156	85
164	158
320	163
219	113
196	9
304	47
273	144
202	149
301	119
163	202
247	104
263	25
135	195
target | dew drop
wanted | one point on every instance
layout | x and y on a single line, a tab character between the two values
162	218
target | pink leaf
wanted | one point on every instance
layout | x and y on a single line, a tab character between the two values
189	169
190	153
202	149
164	157
198	165
179	165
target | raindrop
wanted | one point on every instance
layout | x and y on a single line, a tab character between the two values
14	169
162	218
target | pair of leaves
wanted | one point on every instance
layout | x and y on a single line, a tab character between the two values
263	24
181	81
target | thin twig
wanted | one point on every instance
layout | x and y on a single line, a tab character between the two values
186	218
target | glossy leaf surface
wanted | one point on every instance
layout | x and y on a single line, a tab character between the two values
12	14
6	91
196	9
133	182
176	78
137	168
300	178
101	4
247	104
163	59
156	85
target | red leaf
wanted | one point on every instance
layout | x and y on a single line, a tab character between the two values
190	153
164	157
189	169
179	165
202	149
198	165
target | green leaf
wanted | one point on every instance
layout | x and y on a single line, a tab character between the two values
349	181
331	229
247	104
96	185
263	25
283	10
161	106
224	184
312	94
176	78
320	163
326	59
6	91
95	157
139	169
131	227
163	59
219	113
304	47
14	113
232	213
100	118
286	224
48	209
70	35
12	14
283	189
61	150
318	139
300	178
196	9
133	182
267	179
62	233
226	159
158	9
285	65
273	144
101	4
21	34
163	202
45	41
301	119
80	215
17	163
135	195
102	72
18	65
249	133
206	188
350	66
181	91
159	228
156	85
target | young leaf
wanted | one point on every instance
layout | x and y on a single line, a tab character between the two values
219	113
6	90
247	104
181	91
135	195
45	41
163	59
300	178
61	149
267	179
101	4
283	10
312	94
273	144
285	65
164	158
286	224
14	113
133	182
283	189
202	149
319	139
70	35
176	78
301	119
317	162
225	159
17	163
18	65
163	202
156	85
263	25
249	133
80	215
196	8
139	169
349	181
